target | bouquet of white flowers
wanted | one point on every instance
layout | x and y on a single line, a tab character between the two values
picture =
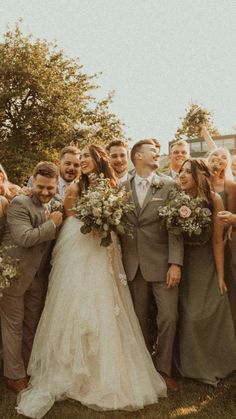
102	208
195	118
8	268
184	214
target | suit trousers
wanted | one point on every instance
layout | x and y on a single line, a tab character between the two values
166	300
19	319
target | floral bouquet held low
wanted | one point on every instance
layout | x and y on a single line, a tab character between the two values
101	209
184	214
196	117
8	268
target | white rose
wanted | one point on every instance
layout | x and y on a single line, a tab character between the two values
97	212
155	181
185	211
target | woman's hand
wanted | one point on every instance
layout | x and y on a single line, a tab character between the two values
222	286
226	217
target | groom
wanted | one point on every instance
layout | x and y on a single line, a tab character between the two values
152	257
30	231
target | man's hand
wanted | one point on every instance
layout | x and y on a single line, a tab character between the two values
56	217
173	276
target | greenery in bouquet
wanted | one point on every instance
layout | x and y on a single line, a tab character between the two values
184	214
102	209
196	117
8	268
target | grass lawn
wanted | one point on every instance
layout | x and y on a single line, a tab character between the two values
193	400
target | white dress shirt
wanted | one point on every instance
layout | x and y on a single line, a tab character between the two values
140	190
62	186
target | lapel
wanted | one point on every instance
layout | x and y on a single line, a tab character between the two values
151	194
135	198
40	208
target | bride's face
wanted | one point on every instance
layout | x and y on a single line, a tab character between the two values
87	164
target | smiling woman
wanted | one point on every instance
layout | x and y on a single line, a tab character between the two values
205	320
101	359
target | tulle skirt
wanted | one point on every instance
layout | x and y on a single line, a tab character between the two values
89	345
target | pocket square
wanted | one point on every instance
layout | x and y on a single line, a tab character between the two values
157	199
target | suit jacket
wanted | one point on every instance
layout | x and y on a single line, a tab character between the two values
152	247
31	236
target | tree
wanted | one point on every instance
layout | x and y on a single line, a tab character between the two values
45	100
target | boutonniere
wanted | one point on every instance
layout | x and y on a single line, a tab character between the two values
156	184
55	204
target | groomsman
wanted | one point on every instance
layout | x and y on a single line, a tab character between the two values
119	159
179	152
69	169
152	257
30	230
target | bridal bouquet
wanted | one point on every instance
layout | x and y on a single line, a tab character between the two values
101	209
8	268
195	118
184	214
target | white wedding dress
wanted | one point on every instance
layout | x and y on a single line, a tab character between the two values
89	346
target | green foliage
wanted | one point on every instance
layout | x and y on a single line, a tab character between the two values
196	117
45	102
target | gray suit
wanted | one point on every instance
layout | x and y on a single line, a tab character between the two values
21	305
146	257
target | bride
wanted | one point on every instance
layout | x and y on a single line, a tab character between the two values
88	346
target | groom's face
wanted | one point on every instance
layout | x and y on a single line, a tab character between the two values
150	156
44	188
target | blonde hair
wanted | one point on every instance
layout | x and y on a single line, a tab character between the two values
227	172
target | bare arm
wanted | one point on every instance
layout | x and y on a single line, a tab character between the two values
71	197
218	244
211	145
3	206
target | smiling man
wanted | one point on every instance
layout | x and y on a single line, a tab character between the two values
179	152
119	159
69	169
152	256
30	231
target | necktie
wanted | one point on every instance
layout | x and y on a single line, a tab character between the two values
142	191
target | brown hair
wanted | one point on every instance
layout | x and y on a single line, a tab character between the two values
70	149
202	178
156	142
47	169
116	143
137	147
102	165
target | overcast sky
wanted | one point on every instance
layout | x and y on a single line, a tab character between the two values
158	55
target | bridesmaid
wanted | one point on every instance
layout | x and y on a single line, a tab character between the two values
207	344
223	183
8	189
